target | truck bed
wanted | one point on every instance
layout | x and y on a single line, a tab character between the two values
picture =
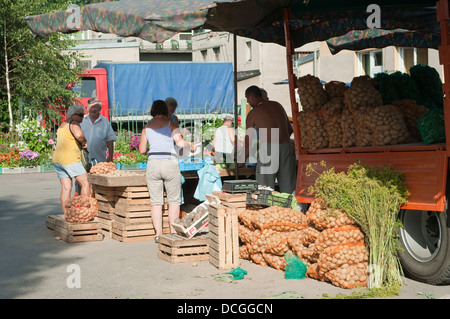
424	168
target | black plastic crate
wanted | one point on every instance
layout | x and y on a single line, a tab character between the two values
239	185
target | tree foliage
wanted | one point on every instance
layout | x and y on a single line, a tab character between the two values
37	69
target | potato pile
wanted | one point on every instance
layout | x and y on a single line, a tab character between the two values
354	116
311	92
103	168
328	242
125	173
81	209
412	112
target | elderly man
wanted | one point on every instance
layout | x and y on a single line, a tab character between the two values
98	132
269	124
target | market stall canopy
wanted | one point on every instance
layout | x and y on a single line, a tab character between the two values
262	20
376	38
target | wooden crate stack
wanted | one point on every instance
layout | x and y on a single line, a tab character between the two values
73	232
132	219
223	236
106	200
175	248
235	200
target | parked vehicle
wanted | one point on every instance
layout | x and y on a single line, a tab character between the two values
202	89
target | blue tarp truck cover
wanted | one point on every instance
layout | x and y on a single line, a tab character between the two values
198	87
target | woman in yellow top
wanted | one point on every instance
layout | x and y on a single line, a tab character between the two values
67	156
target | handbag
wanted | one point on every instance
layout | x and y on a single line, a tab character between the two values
84	154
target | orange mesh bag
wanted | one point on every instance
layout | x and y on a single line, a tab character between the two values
349	276
320	217
279	218
337	256
348	129
312	272
81	209
275	261
244	252
259	259
247	235
333	237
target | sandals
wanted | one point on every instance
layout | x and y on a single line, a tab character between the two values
156	239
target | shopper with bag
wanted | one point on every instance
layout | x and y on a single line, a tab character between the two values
67	156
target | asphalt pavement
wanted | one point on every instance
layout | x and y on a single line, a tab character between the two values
33	265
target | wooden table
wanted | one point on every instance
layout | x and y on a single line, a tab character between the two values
139	179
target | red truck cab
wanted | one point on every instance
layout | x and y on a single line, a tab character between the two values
93	83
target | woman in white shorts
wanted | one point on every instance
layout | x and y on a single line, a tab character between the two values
163	172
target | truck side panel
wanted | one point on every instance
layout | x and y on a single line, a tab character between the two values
425	173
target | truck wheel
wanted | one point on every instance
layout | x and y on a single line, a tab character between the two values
425	239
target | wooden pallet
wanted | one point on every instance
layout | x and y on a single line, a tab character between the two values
223	233
175	248
135	232
73	232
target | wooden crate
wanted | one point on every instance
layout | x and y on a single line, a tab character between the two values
234	200
223	236
175	248
105	225
135	232
73	232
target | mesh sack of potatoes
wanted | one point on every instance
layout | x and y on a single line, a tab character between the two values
321	217
81	209
244	252
273	242
349	276
333	237
363	132
387	124
412	112
279	219
258	259
125	173
313	272
275	261
331	113
246	217
362	93
103	168
336	256
335	89
311	92
348	129
314	136
248	235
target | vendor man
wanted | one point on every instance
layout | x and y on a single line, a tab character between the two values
98	132
272	129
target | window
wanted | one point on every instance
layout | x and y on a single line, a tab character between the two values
85	65
248	51
370	63
409	57
204	54
217	53
86	88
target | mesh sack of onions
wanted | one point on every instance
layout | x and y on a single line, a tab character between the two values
311	92
81	209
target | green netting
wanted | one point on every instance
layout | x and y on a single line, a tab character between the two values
432	126
295	268
397	86
429	84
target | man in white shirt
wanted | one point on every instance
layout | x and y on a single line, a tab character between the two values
98	132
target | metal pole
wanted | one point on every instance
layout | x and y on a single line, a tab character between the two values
235	106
